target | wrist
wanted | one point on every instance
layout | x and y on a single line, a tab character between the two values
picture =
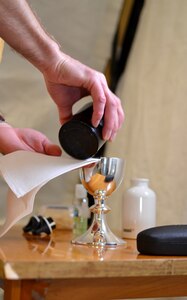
48	55
44	53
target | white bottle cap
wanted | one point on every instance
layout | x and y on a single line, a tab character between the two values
80	191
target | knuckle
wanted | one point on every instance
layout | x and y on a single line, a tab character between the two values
102	76
113	105
102	100
99	114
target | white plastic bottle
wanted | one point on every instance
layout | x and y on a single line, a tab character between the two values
81	210
139	208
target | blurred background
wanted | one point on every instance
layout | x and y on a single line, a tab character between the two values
142	48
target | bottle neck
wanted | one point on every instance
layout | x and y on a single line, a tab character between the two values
140	182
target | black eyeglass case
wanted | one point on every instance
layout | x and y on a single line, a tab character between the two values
163	240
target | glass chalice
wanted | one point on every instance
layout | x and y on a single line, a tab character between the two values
101	179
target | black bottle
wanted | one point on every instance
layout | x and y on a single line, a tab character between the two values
78	137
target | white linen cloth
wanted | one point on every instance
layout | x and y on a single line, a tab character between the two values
25	173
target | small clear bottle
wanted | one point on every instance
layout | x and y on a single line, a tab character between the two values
139	208
81	210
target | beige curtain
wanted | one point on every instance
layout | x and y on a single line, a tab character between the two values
153	140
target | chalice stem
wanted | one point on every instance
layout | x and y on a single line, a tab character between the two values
98	229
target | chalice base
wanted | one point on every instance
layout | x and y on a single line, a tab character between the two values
104	238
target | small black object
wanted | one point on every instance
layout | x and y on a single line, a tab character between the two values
78	137
33	224
47	225
163	240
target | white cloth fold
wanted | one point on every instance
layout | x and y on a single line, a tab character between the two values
25	173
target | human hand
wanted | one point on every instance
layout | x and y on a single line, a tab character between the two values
13	139
69	80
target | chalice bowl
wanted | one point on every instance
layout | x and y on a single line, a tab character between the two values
100	180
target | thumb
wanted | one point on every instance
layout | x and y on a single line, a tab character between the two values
65	114
52	149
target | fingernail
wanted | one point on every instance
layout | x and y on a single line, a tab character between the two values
95	123
107	135
113	136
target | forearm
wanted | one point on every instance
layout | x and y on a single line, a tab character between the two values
20	28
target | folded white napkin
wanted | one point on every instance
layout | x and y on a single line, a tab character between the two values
25	173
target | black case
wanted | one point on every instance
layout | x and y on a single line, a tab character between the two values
163	240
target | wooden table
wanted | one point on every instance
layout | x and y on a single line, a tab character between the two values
53	268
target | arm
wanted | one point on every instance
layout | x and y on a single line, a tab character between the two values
67	80
22	31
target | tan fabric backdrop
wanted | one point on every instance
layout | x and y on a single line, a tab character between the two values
153	140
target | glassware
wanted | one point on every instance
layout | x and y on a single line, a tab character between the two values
101	179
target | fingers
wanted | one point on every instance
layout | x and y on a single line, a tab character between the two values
52	149
99	100
106	105
113	117
33	140
47	147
